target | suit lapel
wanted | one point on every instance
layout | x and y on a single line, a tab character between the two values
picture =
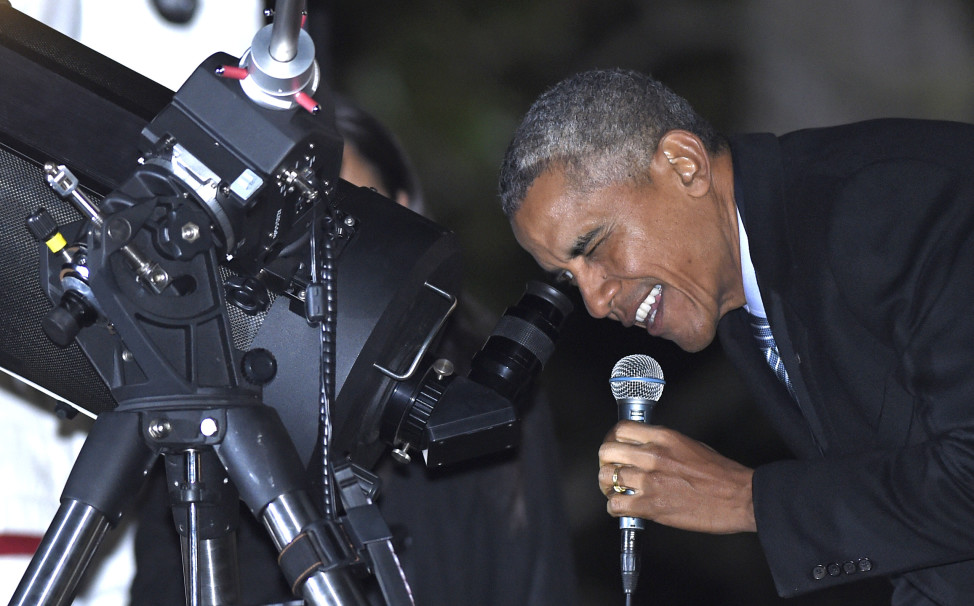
758	172
738	343
784	327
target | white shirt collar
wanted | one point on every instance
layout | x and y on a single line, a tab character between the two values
752	294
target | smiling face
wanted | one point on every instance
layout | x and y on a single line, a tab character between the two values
660	253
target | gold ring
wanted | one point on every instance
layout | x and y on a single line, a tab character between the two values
615	483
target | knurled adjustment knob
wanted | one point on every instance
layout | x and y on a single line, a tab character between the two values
66	320
259	366
41	225
44	228
414	424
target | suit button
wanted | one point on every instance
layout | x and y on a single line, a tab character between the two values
818	573
850	568
865	565
834	570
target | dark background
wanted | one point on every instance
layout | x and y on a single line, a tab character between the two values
452	79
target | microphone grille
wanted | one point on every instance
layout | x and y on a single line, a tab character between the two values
637	376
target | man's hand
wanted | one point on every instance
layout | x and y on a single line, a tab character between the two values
677	481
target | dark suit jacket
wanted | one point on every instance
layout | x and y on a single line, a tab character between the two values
862	238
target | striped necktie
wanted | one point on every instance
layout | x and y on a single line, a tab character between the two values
762	332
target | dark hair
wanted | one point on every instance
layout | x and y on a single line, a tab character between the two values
600	127
380	148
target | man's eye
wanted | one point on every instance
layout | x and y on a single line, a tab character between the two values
565	277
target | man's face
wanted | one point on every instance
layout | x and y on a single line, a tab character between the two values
646	254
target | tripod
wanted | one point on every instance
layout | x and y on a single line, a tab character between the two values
247	447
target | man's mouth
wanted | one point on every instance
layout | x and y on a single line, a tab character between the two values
648	308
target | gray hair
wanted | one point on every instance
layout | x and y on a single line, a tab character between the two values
600	127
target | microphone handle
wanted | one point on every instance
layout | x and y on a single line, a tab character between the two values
632	409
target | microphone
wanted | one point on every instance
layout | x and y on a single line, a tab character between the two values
636	383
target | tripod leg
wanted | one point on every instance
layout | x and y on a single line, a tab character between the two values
113	459
205	511
263	464
57	566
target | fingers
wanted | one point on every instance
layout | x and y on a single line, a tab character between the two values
619	505
622	486
645	456
631	443
630	432
611	480
674	480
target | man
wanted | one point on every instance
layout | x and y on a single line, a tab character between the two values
856	243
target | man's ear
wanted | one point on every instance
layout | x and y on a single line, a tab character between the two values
684	153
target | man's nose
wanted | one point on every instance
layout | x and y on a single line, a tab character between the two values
597	292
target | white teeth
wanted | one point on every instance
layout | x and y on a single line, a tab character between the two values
647	305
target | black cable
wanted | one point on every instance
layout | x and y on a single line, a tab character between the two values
321	309
328	353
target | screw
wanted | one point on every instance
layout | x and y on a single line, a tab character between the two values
443	368
401	454
159	277
190	232
159	428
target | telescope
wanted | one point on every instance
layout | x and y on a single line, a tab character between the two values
190	269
